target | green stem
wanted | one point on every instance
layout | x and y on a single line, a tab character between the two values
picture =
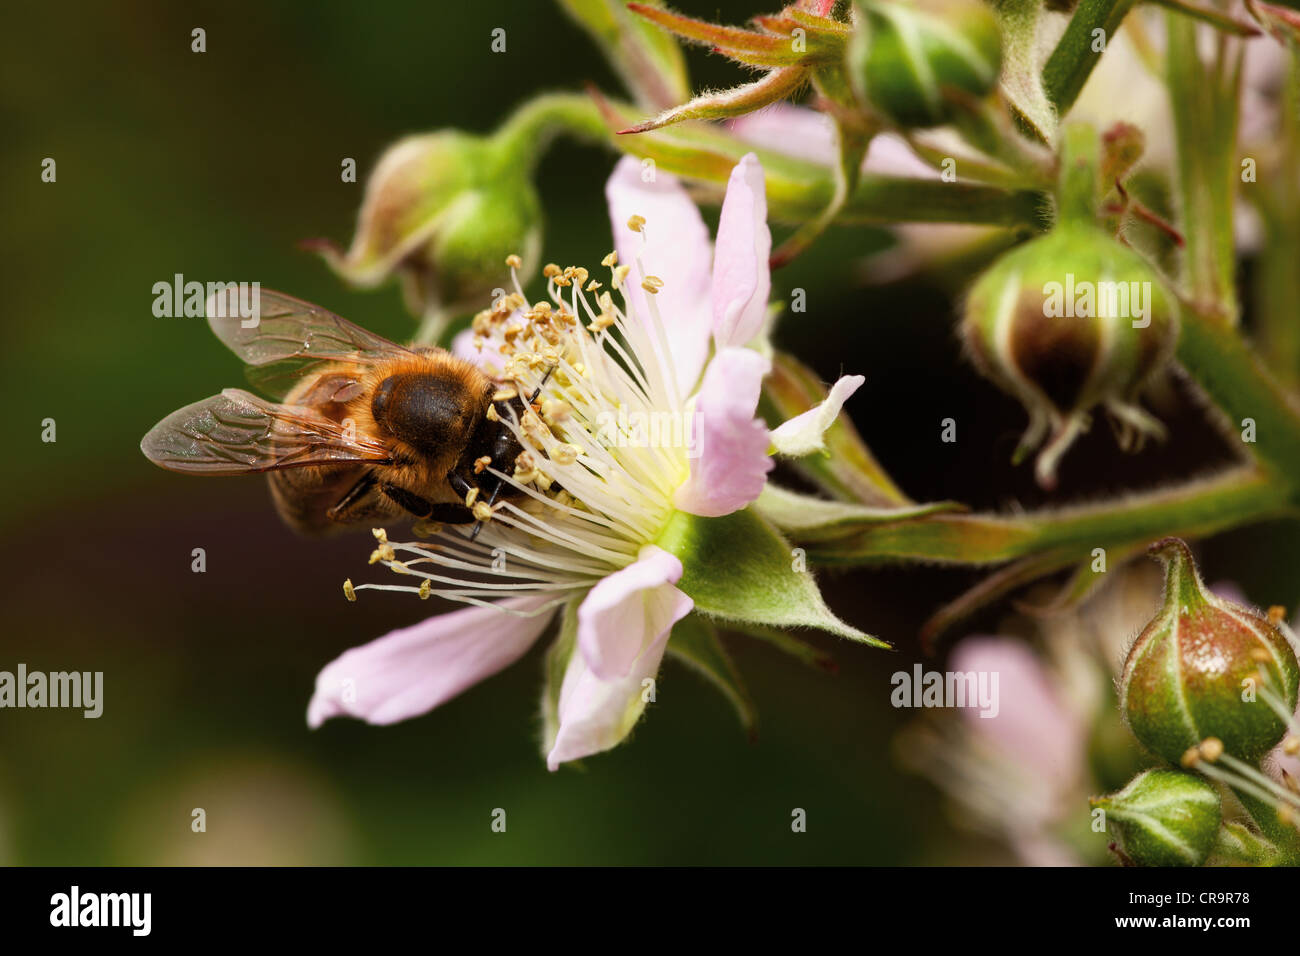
1224	366
529	130
1071	63
1080	189
1236	497
1204	101
1279	206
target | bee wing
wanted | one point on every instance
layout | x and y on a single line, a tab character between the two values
235	433
282	339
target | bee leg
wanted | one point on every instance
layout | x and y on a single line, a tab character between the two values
358	491
409	501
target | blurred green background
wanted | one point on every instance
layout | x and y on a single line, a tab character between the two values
215	165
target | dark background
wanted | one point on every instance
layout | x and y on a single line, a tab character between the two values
215	165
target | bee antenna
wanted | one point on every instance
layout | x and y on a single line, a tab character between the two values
545	378
478	525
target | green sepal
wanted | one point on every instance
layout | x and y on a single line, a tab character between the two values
799	190
1237	843
648	59
807	518
554	666
1022	84
739	568
787	643
1164	818
695	642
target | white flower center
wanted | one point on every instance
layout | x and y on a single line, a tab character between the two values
606	443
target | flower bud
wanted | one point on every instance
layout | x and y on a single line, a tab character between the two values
904	54
1067	322
442	211
1206	669
1164	818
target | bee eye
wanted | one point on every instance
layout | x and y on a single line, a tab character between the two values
426	411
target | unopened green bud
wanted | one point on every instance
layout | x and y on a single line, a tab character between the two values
1164	818
1207	673
905	53
443	211
1066	323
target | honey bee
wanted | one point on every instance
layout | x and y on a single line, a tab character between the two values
365	431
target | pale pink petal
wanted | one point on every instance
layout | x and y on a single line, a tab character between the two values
487	357
809	135
594	714
793	130
627	610
674	246
1279	761
889	155
741	277
730	461
411	671
1033	726
1231	591
802	435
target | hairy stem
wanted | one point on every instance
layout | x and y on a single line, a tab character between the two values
1079	49
1236	497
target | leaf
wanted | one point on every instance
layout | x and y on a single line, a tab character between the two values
695	642
739	568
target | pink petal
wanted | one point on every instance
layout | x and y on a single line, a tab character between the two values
595	714
730	462
411	671
802	435
488	358
741	278
793	130
1231	591
674	245
889	155
809	135
1033	726
626	610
